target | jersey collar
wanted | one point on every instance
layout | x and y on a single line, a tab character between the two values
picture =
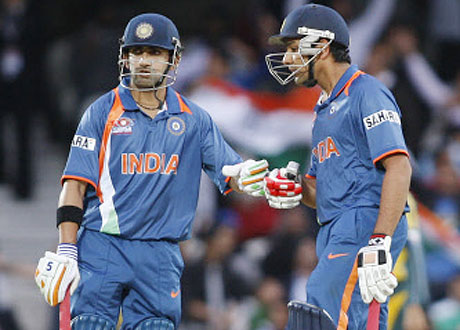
338	89
129	104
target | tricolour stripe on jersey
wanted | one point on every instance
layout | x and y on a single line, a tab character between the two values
105	190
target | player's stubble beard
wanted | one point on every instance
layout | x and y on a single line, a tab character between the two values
145	78
307	78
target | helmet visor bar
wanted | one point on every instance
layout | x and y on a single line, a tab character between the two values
284	73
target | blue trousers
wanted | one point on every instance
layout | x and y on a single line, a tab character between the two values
333	285
141	277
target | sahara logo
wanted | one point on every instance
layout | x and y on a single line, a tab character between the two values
84	142
380	117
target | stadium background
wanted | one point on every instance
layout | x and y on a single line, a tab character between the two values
57	56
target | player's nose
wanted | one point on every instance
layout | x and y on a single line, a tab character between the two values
287	58
143	59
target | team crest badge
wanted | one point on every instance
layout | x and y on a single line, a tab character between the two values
176	126
123	125
144	30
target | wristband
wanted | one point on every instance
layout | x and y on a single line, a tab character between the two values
68	249
69	213
377	238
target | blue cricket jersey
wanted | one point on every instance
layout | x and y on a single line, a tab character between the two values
143	174
356	127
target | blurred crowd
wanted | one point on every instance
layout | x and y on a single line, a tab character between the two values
247	260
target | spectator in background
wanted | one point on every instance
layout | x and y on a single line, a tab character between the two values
443	98
256	217
294	226
442	190
444	33
16	103
305	261
8	320
269	306
367	28
79	69
211	288
445	313
406	309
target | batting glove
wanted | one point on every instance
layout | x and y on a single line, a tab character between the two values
281	192
56	272
374	269
249	175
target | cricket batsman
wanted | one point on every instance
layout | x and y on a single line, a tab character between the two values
358	181
130	190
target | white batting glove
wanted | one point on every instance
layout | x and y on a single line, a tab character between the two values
281	192
249	175
56	271
374	269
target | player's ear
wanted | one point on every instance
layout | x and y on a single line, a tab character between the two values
325	53
124	56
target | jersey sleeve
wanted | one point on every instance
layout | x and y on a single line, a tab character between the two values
83	160
216	152
381	119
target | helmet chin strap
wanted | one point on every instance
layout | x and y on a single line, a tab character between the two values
159	82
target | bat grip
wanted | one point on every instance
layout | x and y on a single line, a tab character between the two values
292	170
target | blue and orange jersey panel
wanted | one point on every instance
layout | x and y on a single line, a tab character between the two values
144	173
354	129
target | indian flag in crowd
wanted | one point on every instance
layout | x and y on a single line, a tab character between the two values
440	232
265	124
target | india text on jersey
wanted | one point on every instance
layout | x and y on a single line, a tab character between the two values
325	149
149	162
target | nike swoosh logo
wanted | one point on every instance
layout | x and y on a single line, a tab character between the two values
333	256
175	294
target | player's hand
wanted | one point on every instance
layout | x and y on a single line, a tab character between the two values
374	270
55	272
248	175
281	192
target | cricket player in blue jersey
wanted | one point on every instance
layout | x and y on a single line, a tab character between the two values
130	190
359	176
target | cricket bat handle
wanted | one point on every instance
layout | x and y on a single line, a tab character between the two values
64	313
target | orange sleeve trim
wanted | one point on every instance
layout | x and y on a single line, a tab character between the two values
226	192
115	112
183	106
308	176
228	179
392	152
78	178
346	298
